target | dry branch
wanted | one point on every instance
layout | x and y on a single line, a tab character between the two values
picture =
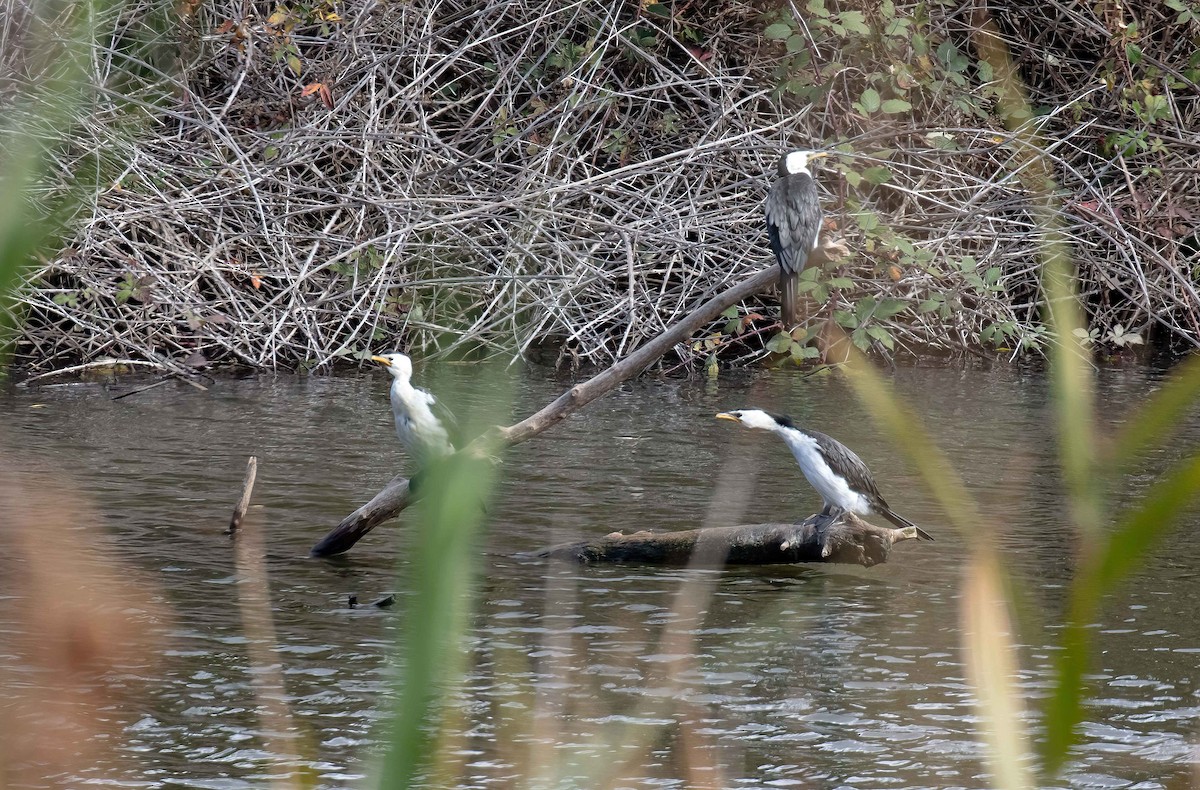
239	512
849	540
394	497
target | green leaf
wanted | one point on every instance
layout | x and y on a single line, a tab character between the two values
844	318
841	282
780	343
867	220
869	100
877	175
894	106
730	312
852	178
882	335
854	22
864	308
795	44
861	340
929	305
780	31
890	307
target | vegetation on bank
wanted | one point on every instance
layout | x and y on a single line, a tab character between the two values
290	185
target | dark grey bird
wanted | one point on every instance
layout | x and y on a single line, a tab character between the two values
839	475
793	212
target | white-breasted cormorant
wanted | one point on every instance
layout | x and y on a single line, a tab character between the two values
839	475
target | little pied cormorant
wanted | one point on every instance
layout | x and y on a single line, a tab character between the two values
838	474
422	424
793	212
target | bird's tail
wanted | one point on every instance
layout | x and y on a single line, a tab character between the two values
789	298
902	522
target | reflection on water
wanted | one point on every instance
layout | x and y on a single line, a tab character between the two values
800	675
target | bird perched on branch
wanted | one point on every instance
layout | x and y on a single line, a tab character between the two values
793	212
423	425
840	477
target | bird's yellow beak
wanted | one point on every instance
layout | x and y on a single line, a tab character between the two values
727	416
818	154
382	361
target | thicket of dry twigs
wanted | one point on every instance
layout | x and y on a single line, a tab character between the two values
286	186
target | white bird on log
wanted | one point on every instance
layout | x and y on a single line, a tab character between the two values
423	425
839	475
793	212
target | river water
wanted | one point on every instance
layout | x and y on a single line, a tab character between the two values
806	676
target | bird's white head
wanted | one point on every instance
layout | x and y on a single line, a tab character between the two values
399	365
795	162
752	418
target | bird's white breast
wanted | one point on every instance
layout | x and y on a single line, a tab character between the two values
833	488
416	425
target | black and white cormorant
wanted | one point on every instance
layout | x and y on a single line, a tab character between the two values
423	425
838	474
793	212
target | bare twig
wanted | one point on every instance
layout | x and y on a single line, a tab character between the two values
239	512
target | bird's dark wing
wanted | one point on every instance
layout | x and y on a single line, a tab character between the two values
846	462
793	213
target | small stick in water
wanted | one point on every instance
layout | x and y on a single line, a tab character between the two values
243	504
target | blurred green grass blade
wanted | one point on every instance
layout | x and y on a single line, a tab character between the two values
1106	567
1070	368
1140	532
36	120
909	435
986	628
1158	418
991	667
1071	380
450	516
20	233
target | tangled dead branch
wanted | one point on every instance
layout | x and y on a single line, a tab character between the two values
312	183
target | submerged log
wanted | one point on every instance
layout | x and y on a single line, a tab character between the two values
847	540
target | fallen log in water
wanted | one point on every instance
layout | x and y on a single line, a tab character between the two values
847	540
